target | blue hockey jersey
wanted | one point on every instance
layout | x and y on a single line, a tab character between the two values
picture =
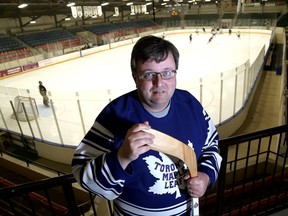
153	184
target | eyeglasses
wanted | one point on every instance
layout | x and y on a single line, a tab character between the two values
165	75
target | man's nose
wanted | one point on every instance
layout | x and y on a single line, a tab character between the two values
157	79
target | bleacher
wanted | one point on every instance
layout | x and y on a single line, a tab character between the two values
41	204
256	19
146	23
60	39
12	55
75	30
11	49
168	21
9	43
39	38
228	16
201	19
128	25
103	28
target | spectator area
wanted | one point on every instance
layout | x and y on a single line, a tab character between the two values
40	38
9	44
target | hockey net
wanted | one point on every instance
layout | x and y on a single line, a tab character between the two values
24	105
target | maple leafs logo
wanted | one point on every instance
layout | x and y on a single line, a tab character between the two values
169	174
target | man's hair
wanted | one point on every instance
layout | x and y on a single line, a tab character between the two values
151	48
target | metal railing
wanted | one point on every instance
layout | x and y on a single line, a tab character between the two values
254	173
253	180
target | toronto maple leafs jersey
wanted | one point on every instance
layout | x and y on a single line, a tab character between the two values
153	184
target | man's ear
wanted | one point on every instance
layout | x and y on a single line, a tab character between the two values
134	77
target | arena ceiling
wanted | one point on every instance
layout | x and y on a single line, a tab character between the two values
37	8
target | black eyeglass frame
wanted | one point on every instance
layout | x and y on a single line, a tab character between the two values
154	74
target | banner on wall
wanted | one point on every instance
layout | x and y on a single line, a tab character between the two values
132	10
74	11
99	10
144	9
116	9
79	11
94	11
87	11
138	9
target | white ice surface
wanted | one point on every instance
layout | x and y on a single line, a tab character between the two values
108	72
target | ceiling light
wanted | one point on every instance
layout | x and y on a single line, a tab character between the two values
149	3
22	5
129	3
104	4
67	18
32	21
70	4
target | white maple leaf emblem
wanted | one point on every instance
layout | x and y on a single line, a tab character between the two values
169	178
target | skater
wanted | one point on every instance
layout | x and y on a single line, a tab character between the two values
210	39
213	32
43	92
190	38
238	34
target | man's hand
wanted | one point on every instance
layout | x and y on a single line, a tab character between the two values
136	143
197	186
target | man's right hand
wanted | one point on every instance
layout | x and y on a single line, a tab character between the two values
136	142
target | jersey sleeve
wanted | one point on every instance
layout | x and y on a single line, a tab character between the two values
209	161
95	164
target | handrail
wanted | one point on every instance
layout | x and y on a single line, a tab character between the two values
65	182
247	139
223	143
280	132
37	185
28	162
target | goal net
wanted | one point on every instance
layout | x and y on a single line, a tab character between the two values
25	108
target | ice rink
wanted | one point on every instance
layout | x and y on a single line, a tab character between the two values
96	79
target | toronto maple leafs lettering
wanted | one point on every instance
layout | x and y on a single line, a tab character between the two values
168	173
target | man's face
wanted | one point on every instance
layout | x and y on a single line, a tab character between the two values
155	94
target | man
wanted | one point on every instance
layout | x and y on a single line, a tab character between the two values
114	159
43	92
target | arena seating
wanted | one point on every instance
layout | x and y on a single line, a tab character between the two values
103	28
245	193
38	200
146	23
40	38
228	16
256	19
9	43
12	55
128	25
